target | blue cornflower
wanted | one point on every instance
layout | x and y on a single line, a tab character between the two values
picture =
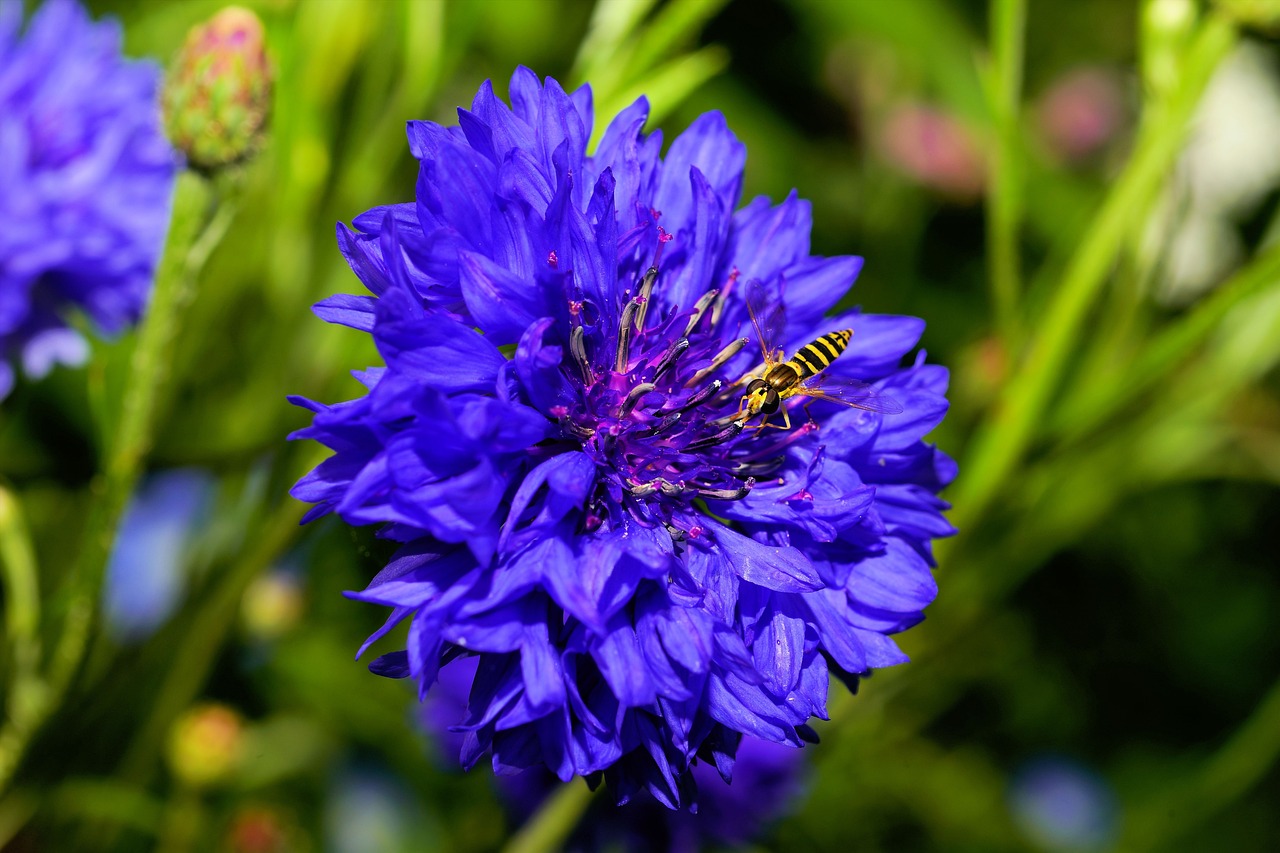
555	441
85	182
1063	805
145	575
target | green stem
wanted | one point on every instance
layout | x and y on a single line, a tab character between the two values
149	366
149	369
181	827
1004	199
15	811
675	22
1244	759
1224	777
22	624
668	85
208	627
21	584
1001	443
612	25
1168	349
551	825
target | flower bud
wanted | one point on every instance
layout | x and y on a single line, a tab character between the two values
256	828
205	744
272	606
217	97
1082	111
1167	26
935	149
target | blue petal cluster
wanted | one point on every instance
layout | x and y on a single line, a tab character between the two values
86	177
769	780
552	441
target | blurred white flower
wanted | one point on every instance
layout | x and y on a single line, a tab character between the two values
1231	163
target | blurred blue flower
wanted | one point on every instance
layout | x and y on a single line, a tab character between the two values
447	704
1063	805
371	810
85	182
145	577
643	579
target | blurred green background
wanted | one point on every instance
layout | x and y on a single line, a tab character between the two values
1080	198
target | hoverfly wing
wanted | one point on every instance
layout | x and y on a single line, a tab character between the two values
764	304
848	392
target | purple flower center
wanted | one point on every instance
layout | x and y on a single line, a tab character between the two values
660	410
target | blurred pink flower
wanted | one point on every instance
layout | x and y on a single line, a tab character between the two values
1081	112
935	149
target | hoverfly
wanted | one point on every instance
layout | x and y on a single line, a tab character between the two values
780	378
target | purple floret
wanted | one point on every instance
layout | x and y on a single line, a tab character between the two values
552	439
86	177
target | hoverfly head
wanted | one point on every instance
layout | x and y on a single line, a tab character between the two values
760	397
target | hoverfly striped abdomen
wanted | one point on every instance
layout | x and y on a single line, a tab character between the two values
816	356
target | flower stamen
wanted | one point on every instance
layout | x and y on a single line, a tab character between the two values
578	347
733	430
669	358
718	309
759	469
698	397
646	293
629	404
699	309
662	426
721	357
729	494
623	350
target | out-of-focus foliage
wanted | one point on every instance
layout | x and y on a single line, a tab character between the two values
1099	671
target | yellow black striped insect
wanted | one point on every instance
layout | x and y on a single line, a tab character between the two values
780	378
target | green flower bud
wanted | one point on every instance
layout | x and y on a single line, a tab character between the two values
217	97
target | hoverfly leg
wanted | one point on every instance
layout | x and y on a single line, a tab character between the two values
807	413
764	422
